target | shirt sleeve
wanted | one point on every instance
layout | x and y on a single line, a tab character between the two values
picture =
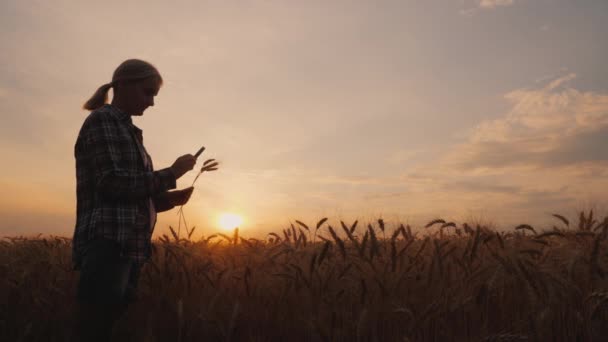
113	180
161	202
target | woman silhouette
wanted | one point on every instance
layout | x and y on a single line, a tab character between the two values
118	196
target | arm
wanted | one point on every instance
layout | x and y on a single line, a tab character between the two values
113	180
162	202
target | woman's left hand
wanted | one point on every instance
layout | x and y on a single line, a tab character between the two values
180	197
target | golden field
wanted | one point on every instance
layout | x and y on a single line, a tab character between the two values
350	282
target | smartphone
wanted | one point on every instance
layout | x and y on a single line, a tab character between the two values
199	152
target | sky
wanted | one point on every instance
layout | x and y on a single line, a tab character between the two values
492	111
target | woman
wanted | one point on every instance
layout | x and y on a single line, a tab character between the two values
118	196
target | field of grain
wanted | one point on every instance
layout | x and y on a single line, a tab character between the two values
348	282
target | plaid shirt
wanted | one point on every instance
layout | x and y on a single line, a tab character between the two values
118	193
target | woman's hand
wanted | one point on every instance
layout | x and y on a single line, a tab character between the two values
179	197
182	165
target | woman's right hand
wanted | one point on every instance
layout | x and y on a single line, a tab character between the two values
182	165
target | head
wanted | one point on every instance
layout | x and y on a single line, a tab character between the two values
135	84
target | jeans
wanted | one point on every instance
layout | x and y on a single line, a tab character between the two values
107	285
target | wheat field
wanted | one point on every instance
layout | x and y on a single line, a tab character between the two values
349	282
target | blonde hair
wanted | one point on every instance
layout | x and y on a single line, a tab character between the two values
128	71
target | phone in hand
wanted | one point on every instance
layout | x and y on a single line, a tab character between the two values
199	152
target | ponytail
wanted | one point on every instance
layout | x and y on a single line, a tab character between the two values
99	98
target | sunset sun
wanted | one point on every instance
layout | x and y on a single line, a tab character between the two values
229	221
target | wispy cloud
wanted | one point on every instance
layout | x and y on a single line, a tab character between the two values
495	3
545	154
554	125
486	5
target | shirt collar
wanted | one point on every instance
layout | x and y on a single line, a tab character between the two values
119	114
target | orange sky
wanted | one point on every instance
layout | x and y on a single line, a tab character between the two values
468	110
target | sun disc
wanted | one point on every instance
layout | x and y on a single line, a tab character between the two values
229	221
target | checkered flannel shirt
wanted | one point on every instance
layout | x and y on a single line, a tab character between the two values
118	193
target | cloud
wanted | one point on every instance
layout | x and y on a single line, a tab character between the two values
486	5
495	3
550	126
480	187
545	154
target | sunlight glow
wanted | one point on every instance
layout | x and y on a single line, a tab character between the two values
229	221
